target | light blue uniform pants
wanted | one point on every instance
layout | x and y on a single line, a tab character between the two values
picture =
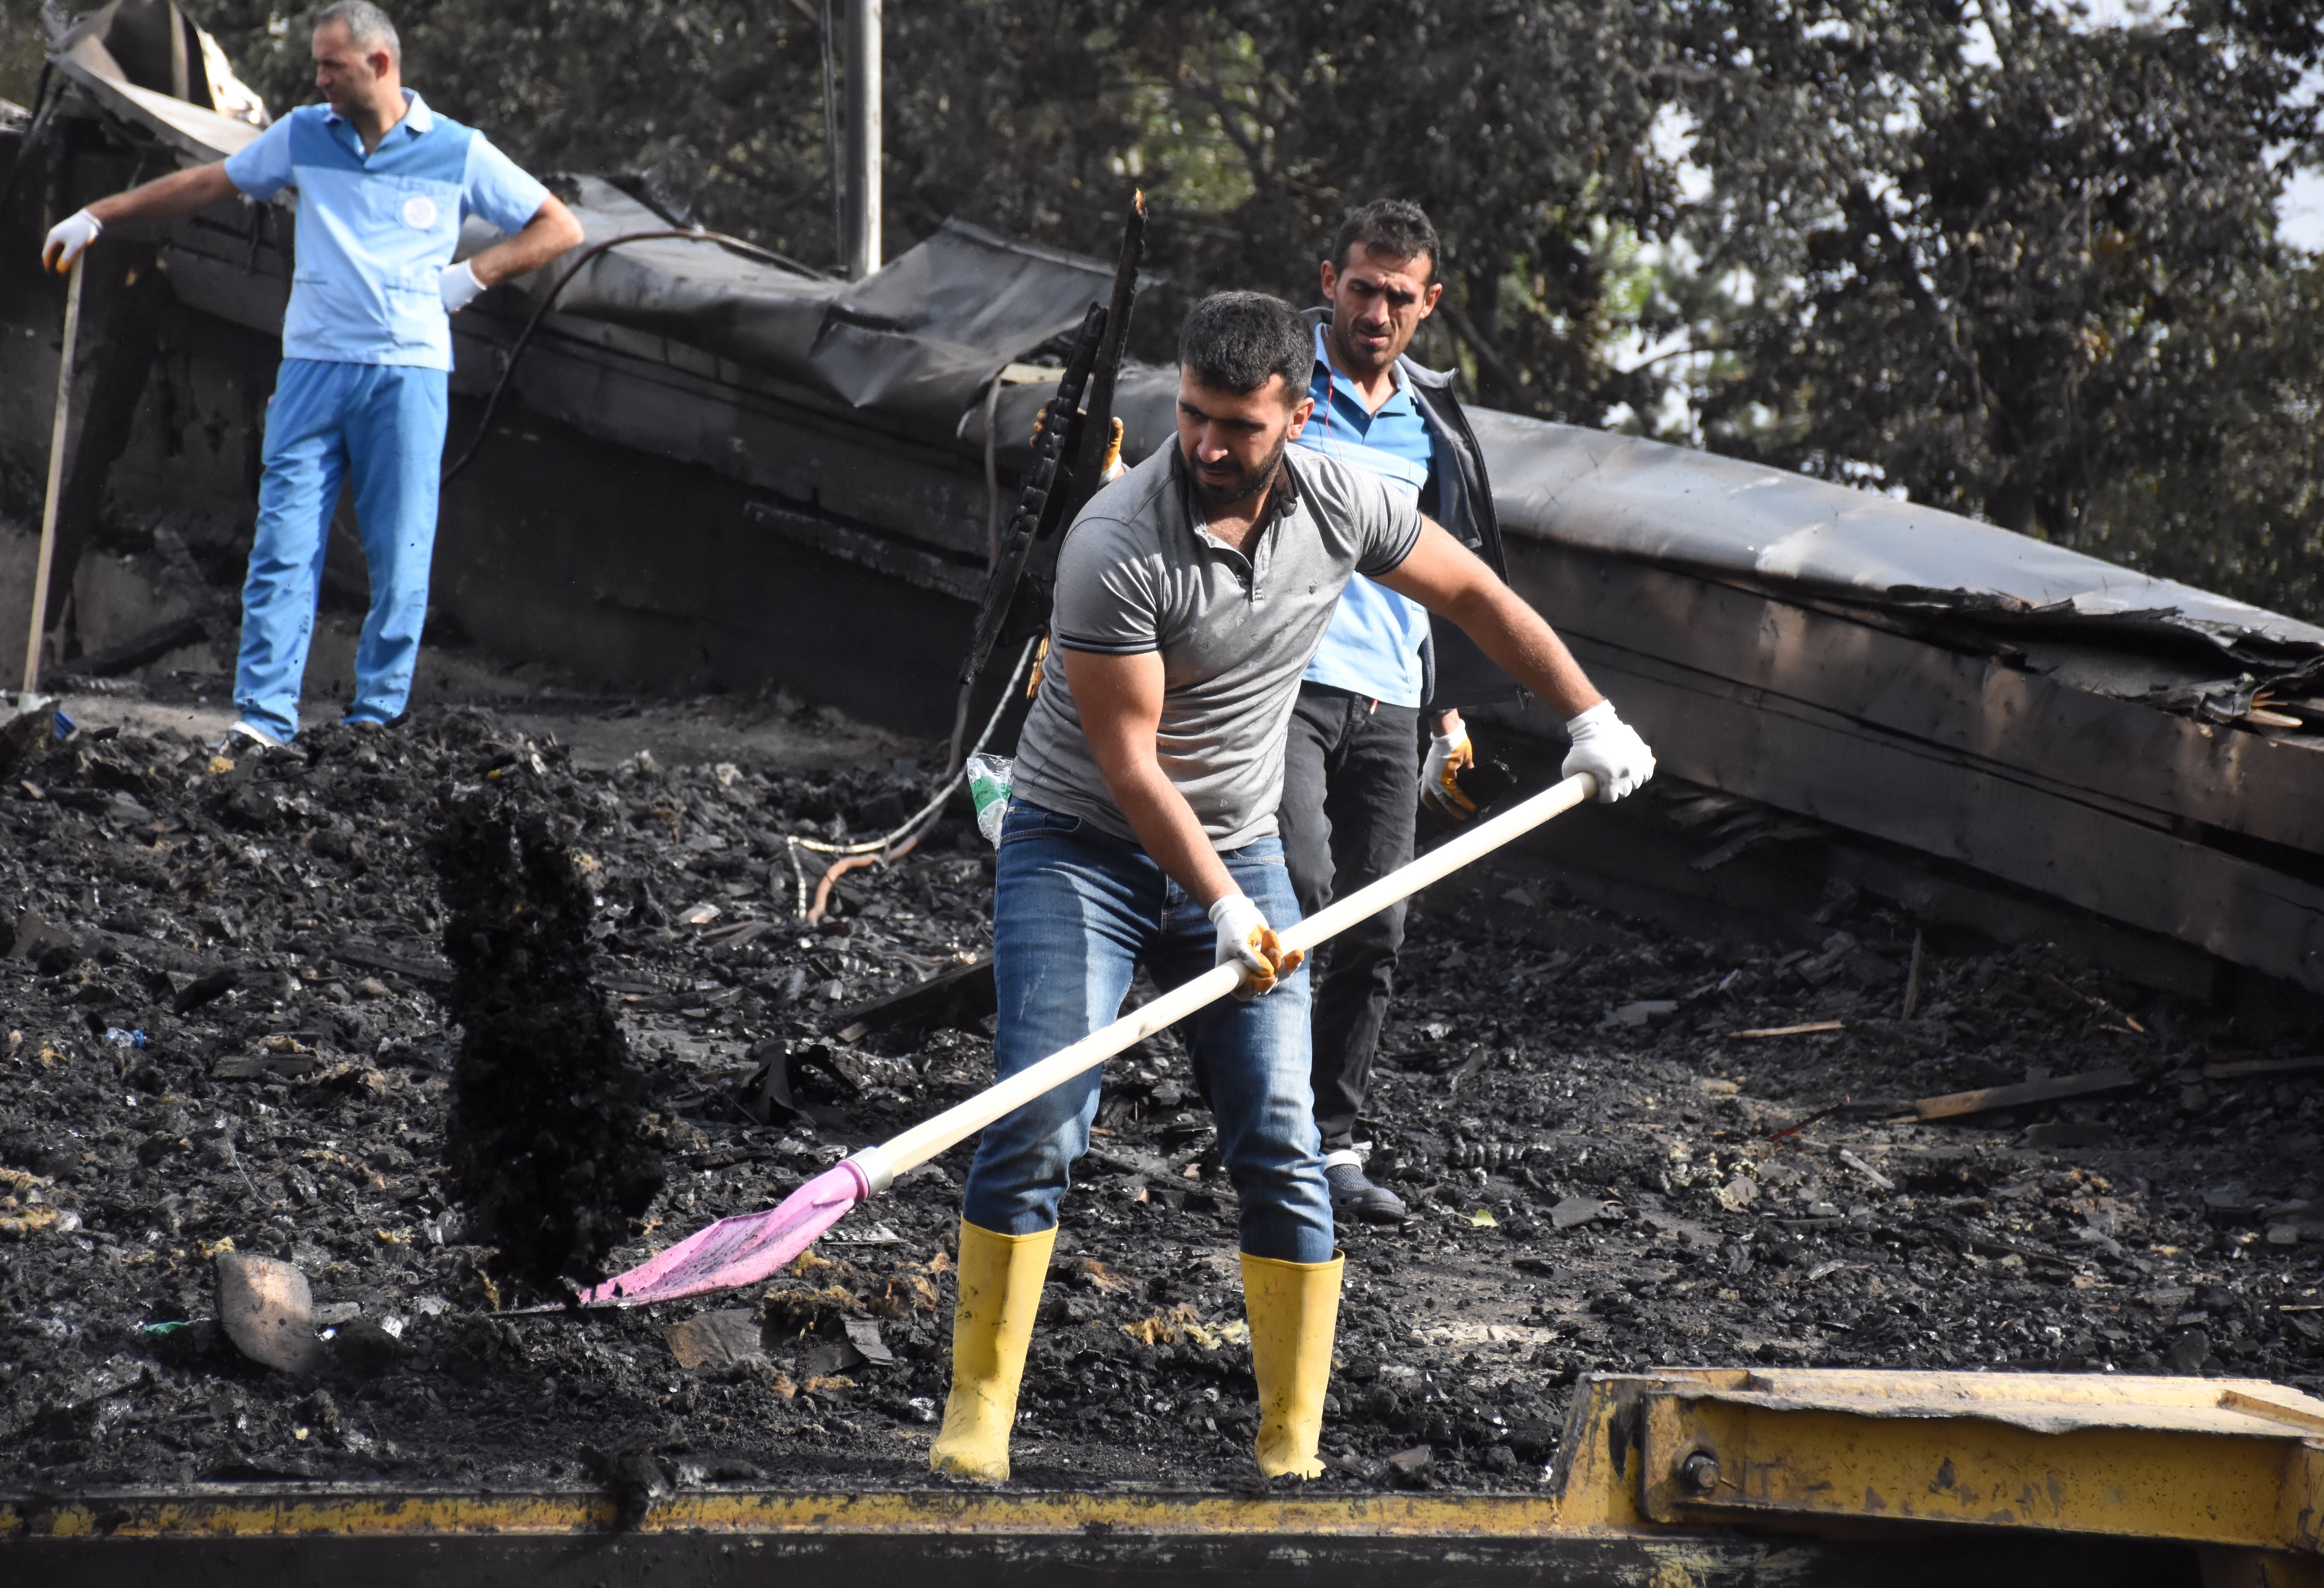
382	427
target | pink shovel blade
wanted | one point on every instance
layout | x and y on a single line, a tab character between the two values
739	1251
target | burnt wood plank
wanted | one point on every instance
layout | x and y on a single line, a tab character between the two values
958	997
1986	1099
1789	753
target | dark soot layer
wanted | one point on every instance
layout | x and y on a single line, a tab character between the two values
544	1138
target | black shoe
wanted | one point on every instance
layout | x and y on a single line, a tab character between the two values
1352	1194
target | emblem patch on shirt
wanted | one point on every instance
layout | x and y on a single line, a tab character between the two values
420	212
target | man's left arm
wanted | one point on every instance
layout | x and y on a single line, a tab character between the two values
540	226
1451	581
550	232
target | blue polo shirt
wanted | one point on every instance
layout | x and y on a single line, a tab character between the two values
1372	645
375	231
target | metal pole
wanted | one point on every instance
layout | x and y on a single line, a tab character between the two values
862	249
56	480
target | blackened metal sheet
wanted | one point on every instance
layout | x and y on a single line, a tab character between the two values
917	342
83	59
1652	501
924	334
754	313
1639	498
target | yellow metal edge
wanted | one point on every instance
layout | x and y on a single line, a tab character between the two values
1804	1467
180	1514
1615	1475
2043	1402
1593	1491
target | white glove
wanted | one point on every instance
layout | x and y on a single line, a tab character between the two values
1610	750
458	284
1449	755
67	238
1246	939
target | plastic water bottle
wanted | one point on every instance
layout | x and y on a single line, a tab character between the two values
988	786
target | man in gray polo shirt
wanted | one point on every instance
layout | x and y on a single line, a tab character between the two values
1190	595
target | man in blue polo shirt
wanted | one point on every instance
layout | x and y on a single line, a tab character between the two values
1353	748
383	183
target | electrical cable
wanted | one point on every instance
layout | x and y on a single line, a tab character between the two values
873	846
524	337
894	844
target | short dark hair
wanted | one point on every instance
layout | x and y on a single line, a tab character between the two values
367	26
1393	228
1234	341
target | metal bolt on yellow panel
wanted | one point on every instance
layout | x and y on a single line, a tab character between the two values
2232	1463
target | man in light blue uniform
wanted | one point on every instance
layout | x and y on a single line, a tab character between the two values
383	183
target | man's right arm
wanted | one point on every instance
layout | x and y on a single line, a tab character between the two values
1119	701
163	199
168	197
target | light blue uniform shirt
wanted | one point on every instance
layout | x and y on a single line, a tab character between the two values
1372	646
375	232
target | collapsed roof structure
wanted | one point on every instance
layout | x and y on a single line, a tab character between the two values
1990	728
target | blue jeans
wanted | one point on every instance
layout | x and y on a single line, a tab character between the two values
1075	910
382	426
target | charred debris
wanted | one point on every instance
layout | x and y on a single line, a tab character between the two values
545	1145
244	1017
367	1047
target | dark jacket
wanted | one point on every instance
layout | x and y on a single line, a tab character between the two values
1458	496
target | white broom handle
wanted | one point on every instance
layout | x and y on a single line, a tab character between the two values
47	553
924	1140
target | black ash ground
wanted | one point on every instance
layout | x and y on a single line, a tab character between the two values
303	1113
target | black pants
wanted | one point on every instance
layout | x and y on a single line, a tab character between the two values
1351	787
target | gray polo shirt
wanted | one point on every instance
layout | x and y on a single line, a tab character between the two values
1139	571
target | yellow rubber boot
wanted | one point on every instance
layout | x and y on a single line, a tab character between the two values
1001	1278
1293	1310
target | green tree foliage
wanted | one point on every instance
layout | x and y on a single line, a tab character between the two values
1253	128
20	44
1988	253
1524	128
2025	269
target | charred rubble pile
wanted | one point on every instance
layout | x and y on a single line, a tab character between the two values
545	1147
230	1027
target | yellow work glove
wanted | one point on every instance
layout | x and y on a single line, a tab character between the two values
1111	469
1449	755
1246	939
